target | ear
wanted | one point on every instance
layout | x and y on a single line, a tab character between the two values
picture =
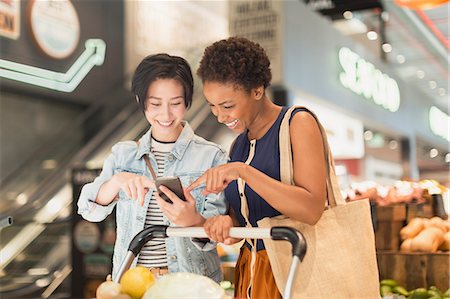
258	92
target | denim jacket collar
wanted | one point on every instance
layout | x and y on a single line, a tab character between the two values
187	134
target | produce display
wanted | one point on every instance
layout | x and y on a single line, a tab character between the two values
389	288
139	283
425	235
399	192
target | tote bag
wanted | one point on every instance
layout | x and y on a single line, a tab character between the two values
340	261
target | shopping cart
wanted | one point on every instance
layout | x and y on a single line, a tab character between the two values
275	233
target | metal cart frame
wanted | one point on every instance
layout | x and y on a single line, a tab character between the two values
296	239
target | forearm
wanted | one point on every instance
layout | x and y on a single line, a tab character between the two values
293	201
108	191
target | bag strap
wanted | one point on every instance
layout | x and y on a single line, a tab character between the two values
286	166
149	165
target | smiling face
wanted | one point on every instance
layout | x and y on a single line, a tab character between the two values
165	109
234	107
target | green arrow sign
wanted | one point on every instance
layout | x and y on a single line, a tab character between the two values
66	82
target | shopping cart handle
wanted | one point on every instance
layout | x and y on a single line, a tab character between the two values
292	235
151	232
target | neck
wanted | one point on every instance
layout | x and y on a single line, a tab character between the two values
265	116
167	137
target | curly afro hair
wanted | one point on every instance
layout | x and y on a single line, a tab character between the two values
238	61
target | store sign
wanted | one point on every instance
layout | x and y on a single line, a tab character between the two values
10	18
94	55
182	28
261	22
55	27
439	123
364	79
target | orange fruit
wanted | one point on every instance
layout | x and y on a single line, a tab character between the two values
136	281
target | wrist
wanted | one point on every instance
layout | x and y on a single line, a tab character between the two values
243	171
200	220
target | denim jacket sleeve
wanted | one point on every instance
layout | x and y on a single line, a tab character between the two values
215	204
87	207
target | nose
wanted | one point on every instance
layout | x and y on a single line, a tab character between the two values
218	114
166	111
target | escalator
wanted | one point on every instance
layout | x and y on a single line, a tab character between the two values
35	250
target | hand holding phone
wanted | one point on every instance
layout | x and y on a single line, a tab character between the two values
172	183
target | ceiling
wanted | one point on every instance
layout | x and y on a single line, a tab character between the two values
419	39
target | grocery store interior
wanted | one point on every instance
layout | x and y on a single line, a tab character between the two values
376	72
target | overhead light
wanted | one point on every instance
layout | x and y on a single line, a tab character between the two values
433	84
38	271
386	47
347	15
42	282
22	199
372	35
441	92
393	144
400	58
447	158
420	74
368	135
350	27
433	153
49	164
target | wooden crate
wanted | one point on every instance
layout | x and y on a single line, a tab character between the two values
423	210
389	222
387	235
415	270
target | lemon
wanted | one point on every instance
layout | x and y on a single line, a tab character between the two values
136	281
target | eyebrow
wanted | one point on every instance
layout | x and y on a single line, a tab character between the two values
222	103
156	98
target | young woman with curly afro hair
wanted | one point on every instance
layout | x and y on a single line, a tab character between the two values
235	74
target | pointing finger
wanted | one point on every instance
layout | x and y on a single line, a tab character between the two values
197	182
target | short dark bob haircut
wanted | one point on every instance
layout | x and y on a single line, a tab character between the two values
238	61
162	66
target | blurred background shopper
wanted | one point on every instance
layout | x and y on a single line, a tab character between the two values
163	87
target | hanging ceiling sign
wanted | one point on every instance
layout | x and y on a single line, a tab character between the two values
10	18
439	123
93	55
261	22
364	79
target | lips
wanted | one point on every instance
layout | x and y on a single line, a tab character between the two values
165	123
232	124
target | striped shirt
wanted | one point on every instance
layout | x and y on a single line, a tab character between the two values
154	253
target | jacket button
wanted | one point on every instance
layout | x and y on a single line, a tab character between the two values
242	195
173	257
170	157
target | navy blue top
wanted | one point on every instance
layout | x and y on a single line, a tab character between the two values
267	160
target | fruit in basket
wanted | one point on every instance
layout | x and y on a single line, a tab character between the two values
183	285
414	227
400	290
136	281
389	282
108	290
420	293
428	240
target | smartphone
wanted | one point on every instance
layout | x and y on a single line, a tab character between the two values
174	184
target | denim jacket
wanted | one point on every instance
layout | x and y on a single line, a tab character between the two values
190	157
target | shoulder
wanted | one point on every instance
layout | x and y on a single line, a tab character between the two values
205	145
124	146
303	121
